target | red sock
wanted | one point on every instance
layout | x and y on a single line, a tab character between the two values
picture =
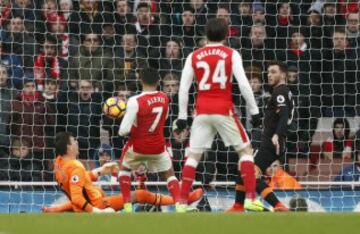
125	185
188	177
247	171
174	188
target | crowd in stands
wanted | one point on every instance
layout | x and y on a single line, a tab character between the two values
60	59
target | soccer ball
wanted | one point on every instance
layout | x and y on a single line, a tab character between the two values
114	107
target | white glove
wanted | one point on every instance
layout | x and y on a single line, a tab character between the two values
106	210
107	168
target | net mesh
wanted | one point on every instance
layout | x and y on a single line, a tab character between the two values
61	59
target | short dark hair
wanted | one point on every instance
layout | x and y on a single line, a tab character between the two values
216	29
62	140
282	66
143	5
149	76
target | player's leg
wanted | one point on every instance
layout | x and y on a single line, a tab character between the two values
263	159
201	137
233	133
125	176
172	183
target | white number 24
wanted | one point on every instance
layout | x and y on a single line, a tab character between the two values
219	75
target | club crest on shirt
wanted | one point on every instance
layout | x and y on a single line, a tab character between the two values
74	179
280	99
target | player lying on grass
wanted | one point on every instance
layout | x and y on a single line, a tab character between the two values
76	183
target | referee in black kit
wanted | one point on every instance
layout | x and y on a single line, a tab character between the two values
279	113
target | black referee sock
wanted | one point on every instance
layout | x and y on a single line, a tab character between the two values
239	191
266	192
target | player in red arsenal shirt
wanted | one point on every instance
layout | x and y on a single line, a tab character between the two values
144	120
213	67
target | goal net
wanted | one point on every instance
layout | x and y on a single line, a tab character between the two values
60	59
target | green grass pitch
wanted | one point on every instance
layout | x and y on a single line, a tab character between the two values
170	223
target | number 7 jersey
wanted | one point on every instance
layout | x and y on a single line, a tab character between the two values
145	119
213	67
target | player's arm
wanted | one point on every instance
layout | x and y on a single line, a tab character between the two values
185	84
58	208
243	82
129	118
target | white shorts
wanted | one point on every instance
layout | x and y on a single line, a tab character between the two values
205	127
153	162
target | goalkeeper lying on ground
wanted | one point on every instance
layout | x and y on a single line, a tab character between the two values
76	183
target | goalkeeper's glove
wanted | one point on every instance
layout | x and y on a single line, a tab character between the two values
106	210
106	169
180	125
256	120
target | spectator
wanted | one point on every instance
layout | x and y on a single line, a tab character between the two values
25	10
339	78
234	31
57	26
331	19
188	31
94	64
279	179
242	16
20	165
258	13
30	115
200	10
353	29
109	36
129	58
66	7
258	50
7	96
285	20
313	31
145	29
171	58
50	94
351	172
88	19
5	12
48	64
17	40
340	144
123	16
83	111
14	67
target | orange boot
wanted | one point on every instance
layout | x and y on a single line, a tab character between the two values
195	195
236	208
279	207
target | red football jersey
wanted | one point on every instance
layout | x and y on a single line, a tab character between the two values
147	134
213	73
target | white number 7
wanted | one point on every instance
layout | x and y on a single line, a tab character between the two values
158	111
